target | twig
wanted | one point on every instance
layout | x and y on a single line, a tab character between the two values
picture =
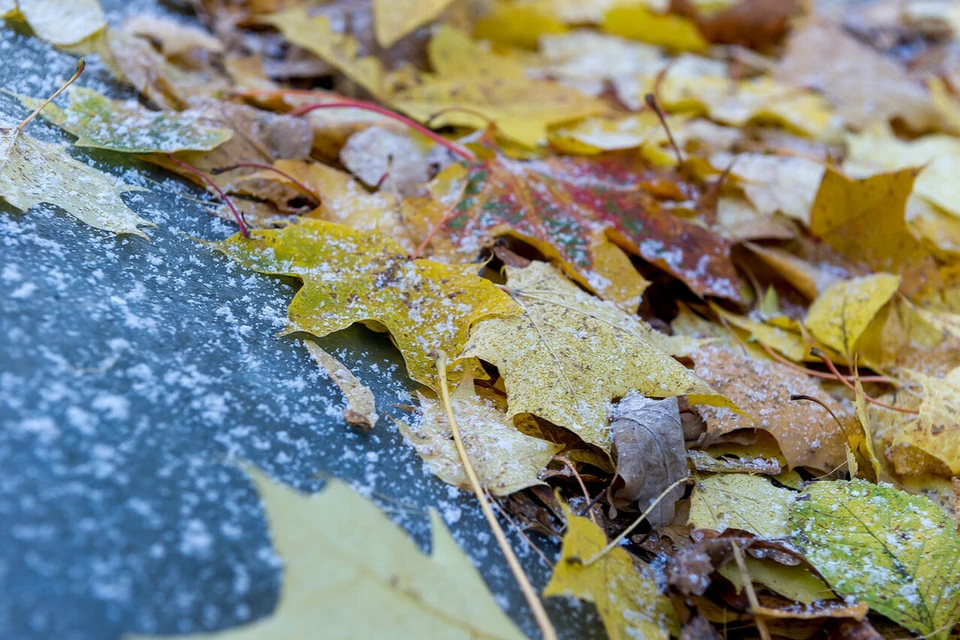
652	103
223	196
81	65
576	474
529	593
523	534
466	154
643	516
266	167
751	594
818	353
820	374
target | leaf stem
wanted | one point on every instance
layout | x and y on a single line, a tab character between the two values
226	199
583	487
643	516
818	353
751	594
539	613
820	374
266	167
466	154
81	65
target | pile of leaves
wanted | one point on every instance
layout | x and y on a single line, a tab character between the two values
691	271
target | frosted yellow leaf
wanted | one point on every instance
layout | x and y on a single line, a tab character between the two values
393	19
33	171
594	135
625	594
876	148
349	572
842	313
569	354
62	22
519	24
938	230
505	459
470	76
175	38
937	430
785	184
350	277
336	49
638	22
739	501
865	219
361	409
795	582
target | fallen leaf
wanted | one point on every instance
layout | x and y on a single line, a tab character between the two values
175	38
626	594
393	19
649	453
508	197
518	24
505	459
896	552
937	430
350	277
772	184
808	437
33	171
839	317
61	22
809	279
877	149
794	582
349	571
100	122
758	24
398	161
361	409
638	22
737	501
865	219
569	354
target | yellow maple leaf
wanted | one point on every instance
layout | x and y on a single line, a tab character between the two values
393	19
626	595
569	354
519	24
937	430
352	277
840	315
865	218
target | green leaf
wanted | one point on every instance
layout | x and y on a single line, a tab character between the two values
101	122
899	553
626	595
740	501
349	572
33	171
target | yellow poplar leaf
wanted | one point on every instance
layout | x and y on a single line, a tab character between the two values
336	49
349	572
63	22
518	24
393	19
937	430
505	459
844	311
625	594
865	219
33	171
351	277
795	582
739	501
569	354
877	148
638	22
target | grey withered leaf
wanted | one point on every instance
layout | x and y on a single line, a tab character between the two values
648	449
